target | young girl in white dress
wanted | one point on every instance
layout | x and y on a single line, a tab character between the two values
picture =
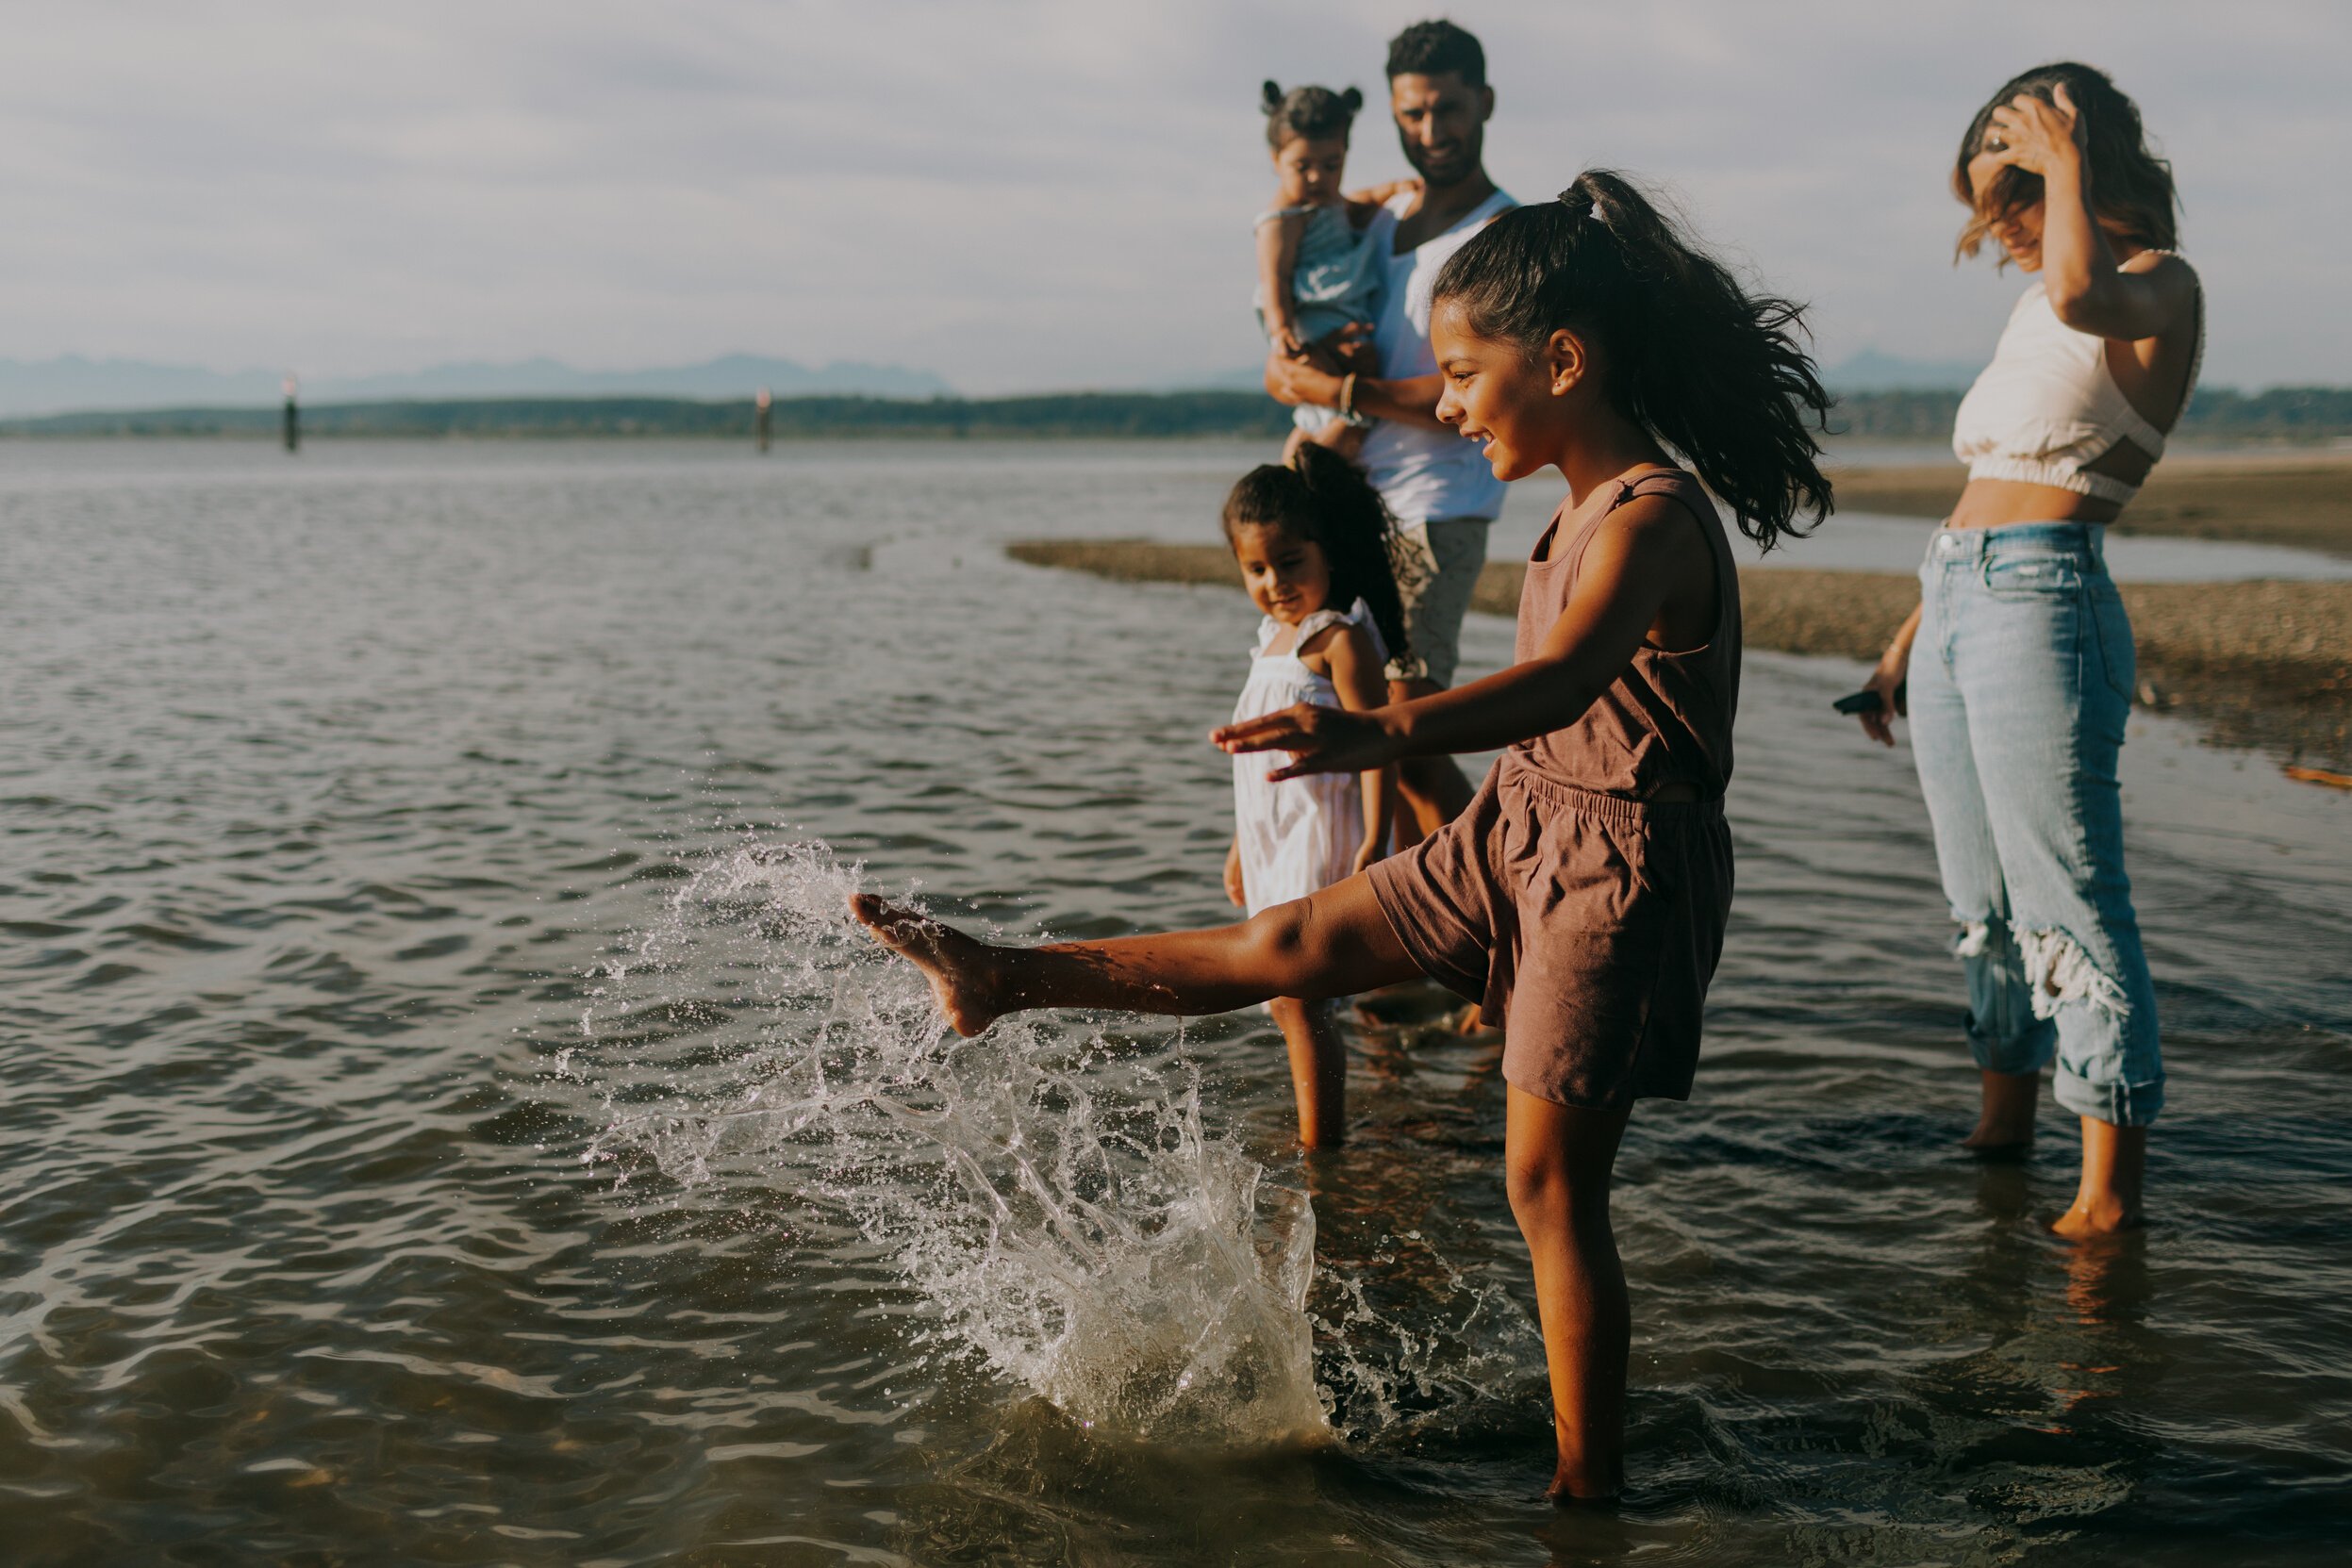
1313	541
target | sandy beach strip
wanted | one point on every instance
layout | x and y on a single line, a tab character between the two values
2264	662
2292	498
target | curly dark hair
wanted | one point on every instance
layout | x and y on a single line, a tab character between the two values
1307	113
2131	187
1434	48
1707	368
1322	497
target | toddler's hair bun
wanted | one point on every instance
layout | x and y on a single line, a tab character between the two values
1307	113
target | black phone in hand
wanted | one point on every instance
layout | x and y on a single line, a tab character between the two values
1870	702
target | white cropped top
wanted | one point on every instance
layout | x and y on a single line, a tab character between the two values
2047	406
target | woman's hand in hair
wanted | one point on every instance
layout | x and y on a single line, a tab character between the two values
1321	739
2036	135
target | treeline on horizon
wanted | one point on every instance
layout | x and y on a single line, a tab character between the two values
2219	413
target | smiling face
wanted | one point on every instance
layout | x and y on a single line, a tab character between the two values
1308	170
1441	123
1288	577
1513	403
2018	232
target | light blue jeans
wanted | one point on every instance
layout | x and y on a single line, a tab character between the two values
2021	680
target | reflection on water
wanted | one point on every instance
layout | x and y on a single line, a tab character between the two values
340	793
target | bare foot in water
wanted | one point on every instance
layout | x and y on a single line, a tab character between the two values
1571	1488
2104	1216
2114	1165
961	970
2005	1122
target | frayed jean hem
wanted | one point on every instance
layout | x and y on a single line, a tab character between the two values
2037	999
2116	1103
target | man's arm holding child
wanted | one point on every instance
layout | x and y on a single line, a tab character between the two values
1315	379
1362	203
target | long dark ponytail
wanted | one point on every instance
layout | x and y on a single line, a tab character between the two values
1704	367
1322	496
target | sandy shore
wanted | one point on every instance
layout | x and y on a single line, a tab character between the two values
2261	663
2300	499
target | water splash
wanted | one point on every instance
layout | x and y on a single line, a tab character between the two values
1062	1206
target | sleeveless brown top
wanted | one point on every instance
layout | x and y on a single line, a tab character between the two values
1667	722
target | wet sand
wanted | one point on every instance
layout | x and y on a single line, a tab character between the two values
2264	664
2301	499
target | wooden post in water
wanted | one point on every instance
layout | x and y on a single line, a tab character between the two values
294	418
761	406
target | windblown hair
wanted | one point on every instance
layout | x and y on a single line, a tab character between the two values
1433	49
1326	499
1307	113
2131	189
1683	351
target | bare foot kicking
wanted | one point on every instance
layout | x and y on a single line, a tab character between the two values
960	969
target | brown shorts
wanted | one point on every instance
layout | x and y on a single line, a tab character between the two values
1587	926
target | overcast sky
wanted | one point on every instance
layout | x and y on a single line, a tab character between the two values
1045	193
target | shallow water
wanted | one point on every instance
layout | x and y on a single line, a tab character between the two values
441	1123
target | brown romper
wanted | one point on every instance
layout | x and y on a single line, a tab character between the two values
1582	912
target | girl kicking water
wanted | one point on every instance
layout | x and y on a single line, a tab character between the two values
1312	540
1581	897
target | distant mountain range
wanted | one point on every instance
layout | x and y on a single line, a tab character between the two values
1873	371
2280	414
71	383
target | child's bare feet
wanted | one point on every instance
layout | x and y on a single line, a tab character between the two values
961	971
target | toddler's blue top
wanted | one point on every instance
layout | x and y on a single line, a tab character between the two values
1337	278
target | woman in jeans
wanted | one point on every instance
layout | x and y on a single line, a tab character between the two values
2019	657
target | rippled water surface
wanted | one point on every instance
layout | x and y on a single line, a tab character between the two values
444	1121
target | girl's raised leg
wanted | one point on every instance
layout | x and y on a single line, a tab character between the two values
1558	1161
1328	944
1318	1070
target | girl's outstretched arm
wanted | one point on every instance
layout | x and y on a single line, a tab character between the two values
1636	578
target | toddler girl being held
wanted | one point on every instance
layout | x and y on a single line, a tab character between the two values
1317	274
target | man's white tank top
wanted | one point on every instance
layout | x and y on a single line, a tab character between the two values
1423	474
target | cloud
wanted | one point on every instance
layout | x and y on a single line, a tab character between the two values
1031	193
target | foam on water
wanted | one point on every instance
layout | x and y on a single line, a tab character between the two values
1060	1204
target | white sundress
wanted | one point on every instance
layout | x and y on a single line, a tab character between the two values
1300	835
